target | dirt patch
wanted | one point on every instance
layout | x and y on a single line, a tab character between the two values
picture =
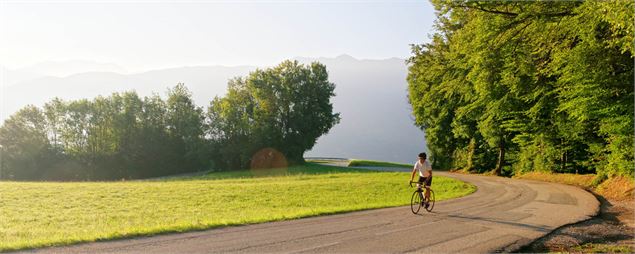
612	231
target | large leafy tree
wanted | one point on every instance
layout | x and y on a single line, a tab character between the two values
434	105
231	126
544	85
24	145
184	122
595	69
286	107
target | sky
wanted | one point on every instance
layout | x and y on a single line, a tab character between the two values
145	35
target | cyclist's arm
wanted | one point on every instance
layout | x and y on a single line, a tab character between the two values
414	170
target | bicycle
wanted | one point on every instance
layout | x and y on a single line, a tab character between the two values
418	200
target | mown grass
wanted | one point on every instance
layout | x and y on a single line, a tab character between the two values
38	214
369	163
307	169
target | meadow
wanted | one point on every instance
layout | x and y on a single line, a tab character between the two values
370	163
39	214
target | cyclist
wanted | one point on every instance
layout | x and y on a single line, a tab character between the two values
425	174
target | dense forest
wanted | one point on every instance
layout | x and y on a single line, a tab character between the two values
280	110
518	86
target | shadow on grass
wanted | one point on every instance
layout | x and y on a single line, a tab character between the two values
306	169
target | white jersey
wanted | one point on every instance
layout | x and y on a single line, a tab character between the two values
423	167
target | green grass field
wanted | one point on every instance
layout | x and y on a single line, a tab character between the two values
368	163
37	214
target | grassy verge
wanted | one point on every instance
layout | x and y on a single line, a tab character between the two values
38	214
604	248
584	181
369	163
616	188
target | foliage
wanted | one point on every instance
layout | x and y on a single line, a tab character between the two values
282	109
120	136
285	108
24	135
369	163
532	86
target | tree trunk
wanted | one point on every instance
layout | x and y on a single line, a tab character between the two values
470	155
296	158
563	157
563	162
501	159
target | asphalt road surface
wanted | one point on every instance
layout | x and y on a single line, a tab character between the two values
501	216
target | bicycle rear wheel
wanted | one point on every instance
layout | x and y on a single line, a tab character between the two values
415	201
430	202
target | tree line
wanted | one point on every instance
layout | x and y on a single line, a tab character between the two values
519	86
282	109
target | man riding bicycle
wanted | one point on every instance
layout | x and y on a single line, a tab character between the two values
425	174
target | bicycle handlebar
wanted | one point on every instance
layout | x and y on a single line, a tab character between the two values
424	186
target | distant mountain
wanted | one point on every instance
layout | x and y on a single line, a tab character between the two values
10	77
371	96
66	68
204	82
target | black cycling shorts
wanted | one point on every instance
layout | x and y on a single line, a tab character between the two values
426	180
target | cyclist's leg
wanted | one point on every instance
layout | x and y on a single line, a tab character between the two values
420	185
428	182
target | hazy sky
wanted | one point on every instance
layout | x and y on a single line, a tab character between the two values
138	35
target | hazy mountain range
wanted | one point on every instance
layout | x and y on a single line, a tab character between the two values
371	96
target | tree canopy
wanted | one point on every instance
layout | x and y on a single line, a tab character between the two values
285	108
282	110
516	86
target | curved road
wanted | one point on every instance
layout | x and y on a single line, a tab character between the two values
501	216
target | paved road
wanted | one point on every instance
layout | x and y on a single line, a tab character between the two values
501	216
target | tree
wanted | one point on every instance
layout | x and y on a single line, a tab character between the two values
547	85
433	104
114	137
184	122
286	107
294	107
595	68
231	126
24	145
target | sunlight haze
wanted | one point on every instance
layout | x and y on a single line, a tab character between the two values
144	36
75	50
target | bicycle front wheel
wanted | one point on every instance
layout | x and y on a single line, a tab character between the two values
415	201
